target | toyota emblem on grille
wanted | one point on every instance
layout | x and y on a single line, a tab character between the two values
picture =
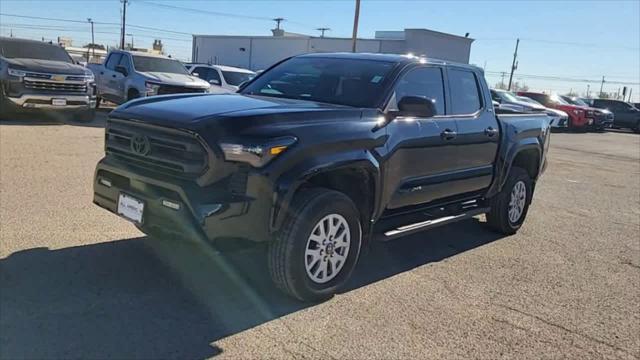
140	145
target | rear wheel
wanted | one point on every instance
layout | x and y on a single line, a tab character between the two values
509	208
319	246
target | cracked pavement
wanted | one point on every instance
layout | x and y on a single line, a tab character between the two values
79	282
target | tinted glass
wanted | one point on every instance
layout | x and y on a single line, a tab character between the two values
236	78
33	50
424	82
351	82
153	64
124	61
541	98
207	74
465	96
112	61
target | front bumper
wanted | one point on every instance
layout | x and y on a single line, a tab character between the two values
46	101
204	213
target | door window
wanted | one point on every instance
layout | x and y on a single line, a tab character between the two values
124	61
465	93
424	82
113	60
207	74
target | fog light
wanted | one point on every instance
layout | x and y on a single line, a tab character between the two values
105	182
171	204
590	121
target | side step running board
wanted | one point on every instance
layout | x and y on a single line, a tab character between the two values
415	227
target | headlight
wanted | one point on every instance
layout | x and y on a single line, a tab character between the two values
151	88
18	73
590	113
88	76
256	155
577	111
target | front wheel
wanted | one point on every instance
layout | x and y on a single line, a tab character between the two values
319	245
509	208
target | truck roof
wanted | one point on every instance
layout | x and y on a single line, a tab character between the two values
141	53
394	58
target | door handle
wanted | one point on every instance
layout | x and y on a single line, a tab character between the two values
490	132
448	134
113	76
101	72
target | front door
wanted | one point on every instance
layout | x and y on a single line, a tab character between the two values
421	154
478	130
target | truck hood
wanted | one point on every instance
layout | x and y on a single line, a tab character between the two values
46	66
194	111
176	79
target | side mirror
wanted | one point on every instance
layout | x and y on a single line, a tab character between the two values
416	106
122	70
214	82
495	103
195	74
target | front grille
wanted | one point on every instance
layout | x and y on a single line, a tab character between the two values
171	89
170	151
55	86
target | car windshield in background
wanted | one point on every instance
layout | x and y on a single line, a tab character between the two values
528	100
350	82
508	96
33	50
558	99
579	102
236	78
157	64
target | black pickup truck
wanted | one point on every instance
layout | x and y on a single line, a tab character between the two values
319	155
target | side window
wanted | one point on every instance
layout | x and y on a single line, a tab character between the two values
124	61
207	74
113	60
465	94
425	82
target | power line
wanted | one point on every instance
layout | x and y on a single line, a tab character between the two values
564	43
200	11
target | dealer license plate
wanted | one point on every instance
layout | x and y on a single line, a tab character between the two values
130	208
59	102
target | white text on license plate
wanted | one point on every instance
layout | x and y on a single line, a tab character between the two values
130	208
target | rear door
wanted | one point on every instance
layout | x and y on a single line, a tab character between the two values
478	130
421	152
109	76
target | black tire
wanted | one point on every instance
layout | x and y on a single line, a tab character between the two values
132	94
287	252
498	217
98	101
637	128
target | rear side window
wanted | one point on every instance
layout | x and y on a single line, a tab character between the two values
465	93
207	74
424	82
113	61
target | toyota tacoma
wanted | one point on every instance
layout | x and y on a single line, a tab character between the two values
318	156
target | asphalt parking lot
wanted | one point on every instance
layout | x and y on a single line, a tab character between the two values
79	282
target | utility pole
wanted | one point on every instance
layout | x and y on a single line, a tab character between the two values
124	22
588	90
601	85
356	16
322	30
278	21
10	32
630	90
93	41
514	65
131	41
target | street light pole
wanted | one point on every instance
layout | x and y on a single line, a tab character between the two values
356	16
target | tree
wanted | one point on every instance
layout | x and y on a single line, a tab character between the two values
516	86
571	93
501	86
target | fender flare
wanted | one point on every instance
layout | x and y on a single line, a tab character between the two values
507	159
289	182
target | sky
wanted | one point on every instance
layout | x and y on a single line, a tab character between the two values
577	41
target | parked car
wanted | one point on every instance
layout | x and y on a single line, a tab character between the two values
580	118
626	115
320	155
603	118
227	77
36	76
127	75
559	118
509	100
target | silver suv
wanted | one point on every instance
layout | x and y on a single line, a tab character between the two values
127	75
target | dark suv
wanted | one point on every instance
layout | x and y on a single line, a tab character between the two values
626	115
35	75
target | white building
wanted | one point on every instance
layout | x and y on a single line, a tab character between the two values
260	52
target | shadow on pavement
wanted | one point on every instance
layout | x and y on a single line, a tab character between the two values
51	118
164	298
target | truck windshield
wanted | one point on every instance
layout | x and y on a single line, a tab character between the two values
236	78
351	82
33	50
157	64
507	96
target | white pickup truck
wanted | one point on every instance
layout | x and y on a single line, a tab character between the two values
127	75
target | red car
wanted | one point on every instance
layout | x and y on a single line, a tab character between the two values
580	118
